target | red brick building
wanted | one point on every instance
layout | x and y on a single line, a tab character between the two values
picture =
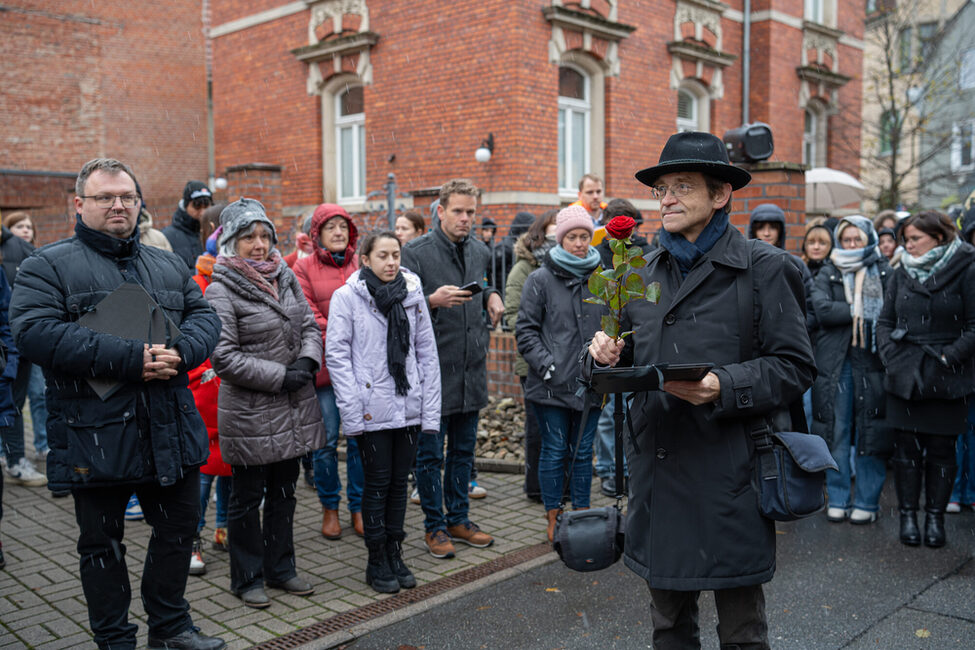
82	79
339	93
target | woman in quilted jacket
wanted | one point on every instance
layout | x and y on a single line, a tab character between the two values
382	356
268	353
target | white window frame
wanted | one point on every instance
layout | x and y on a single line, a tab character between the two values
810	143
815	11
568	177
357	123
701	107
958	145
689	123
817	139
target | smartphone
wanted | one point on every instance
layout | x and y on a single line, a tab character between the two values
684	371
474	287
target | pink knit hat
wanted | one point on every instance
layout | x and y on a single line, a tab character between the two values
570	218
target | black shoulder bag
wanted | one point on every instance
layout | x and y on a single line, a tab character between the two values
790	469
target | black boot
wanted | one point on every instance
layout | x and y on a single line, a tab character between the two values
394	555
907	479
938	481
378	575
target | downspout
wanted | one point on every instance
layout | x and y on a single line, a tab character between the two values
208	54
746	61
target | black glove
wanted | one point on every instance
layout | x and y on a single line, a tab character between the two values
294	379
305	364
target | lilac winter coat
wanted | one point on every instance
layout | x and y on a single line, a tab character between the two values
355	353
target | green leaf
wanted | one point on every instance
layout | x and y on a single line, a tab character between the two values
616	246
594	301
623	335
610	325
622	270
597	283
638	262
634	284
633	252
614	302
653	292
609	274
617	259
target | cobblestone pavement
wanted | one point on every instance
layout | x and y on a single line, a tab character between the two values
42	604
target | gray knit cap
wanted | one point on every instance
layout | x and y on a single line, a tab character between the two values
238	217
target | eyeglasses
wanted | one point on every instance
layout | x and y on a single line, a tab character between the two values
108	200
202	203
680	190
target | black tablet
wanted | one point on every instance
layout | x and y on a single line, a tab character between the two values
684	371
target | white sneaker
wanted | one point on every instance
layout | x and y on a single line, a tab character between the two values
475	491
197	566
954	508
859	516
415	496
24	473
836	515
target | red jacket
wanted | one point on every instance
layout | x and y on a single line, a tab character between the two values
204	384
320	275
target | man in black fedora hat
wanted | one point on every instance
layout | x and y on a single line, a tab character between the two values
690	448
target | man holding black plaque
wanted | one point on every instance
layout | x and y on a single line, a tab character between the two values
690	448
122	419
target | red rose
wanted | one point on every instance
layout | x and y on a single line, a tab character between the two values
620	227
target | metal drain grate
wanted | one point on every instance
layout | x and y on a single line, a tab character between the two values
402	599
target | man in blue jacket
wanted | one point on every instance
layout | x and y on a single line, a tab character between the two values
147	437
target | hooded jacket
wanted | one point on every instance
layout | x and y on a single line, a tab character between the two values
14	251
525	263
320	274
768	213
365	392
184	236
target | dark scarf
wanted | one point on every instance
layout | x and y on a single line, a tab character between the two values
688	253
389	298
263	274
120	249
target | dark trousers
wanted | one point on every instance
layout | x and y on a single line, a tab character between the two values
741	618
172	512
920	447
386	459
533	447
259	553
12	437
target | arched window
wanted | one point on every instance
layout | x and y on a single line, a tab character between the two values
575	115
686	111
693	106
814	135
350	144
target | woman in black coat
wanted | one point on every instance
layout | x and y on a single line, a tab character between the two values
926	338
848	395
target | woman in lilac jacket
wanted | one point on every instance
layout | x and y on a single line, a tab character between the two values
382	357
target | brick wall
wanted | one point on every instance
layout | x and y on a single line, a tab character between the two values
781	184
84	79
502	380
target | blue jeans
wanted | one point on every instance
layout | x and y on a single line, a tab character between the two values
870	470
807	407
605	442
558	426
450	492
964	490
38	407
223	499
328	484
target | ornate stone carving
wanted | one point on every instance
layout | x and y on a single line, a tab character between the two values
590	26
324	57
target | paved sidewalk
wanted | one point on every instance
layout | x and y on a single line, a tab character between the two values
42	604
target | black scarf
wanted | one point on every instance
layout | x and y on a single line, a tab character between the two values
389	298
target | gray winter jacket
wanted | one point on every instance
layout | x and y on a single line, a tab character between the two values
553	325
355	352
258	423
462	334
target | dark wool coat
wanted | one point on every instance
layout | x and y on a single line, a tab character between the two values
835	332
146	431
462	332
553	325
258	423
940	314
692	519
183	234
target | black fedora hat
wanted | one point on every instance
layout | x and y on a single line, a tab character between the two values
695	151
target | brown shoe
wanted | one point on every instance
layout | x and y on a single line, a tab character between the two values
331	529
357	524
470	534
439	545
552	516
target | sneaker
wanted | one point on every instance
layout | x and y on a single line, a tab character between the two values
953	507
24	473
836	515
861	517
197	566
438	543
475	491
133	511
220	539
608	486
415	496
470	534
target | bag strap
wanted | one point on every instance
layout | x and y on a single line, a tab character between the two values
586	402
618	417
